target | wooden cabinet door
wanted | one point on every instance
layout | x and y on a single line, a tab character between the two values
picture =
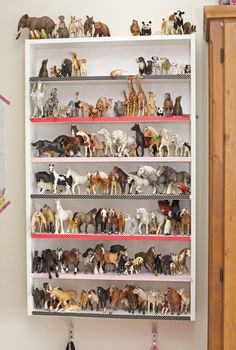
216	186
229	244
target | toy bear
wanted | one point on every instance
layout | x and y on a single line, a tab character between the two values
146	28
101	29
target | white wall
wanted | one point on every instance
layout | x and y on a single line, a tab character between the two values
17	331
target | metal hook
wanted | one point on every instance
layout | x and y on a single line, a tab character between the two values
154	333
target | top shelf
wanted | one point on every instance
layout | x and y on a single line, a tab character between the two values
114	40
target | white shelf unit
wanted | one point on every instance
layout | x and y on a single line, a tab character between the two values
111	53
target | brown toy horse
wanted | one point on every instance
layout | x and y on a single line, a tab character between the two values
71	257
98	260
148	259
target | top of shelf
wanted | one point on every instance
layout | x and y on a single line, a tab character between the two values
125	40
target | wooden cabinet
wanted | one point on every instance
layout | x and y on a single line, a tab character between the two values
220	32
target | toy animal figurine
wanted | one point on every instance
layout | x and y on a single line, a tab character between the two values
160	111
62	29
66	68
133	98
83	69
146	28
121	176
49	215
51	104
75	63
142	65
80	28
168	104
142	220
134	28
168	226
61	216
64	297
88	26
177	110
119	109
185	220
164	26
73	28
43	34
188	28
175	300
55	72
117	73
37	97
142	100
152	107
43	73
182	259
103	297
71	257
84	299
178	22
149	68
36	23
121	222
165	65
38	220
139	137
115	296
85	218
150	174
156	65
185	300
108	141
126	104
136	183
101	29
50	262
148	259
142	299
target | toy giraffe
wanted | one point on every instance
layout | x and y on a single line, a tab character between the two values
142	100
126	104
133	99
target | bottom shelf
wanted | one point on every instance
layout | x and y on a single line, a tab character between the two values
116	314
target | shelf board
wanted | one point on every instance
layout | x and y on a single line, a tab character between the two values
108	78
143	277
159	119
120	314
109	196
110	41
111	159
110	237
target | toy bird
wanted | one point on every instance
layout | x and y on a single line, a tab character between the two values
183	188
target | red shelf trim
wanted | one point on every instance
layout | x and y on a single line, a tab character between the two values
110	237
110	119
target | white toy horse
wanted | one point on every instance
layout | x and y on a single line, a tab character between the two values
77	179
108	141
142	219
61	216
37	96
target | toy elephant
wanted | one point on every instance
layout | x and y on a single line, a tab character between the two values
36	23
